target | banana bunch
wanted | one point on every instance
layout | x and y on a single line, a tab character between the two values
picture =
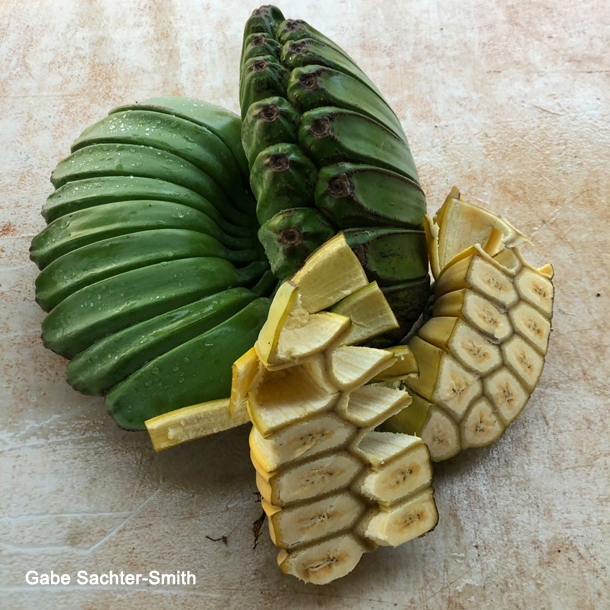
331	486
482	352
151	271
327	154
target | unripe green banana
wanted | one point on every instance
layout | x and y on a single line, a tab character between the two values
365	195
112	304
365	177
113	358
282	177
120	218
314	86
332	135
196	371
381	252
309	51
262	77
187	140
90	192
290	236
110	257
225	124
130	160
270	121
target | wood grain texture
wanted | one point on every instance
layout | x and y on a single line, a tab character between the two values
508	101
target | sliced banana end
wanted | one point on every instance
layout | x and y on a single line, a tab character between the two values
441	434
402	522
324	561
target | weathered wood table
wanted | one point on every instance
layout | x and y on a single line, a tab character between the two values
508	101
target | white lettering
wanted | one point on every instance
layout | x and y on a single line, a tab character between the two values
81	577
31	577
153	578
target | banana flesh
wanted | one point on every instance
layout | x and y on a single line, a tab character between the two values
482	353
332	488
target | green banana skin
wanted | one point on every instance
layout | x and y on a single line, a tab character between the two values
90	192
112	304
407	301
264	20
282	177
256	45
270	121
297	29
266	286
314	86
120	218
291	236
191	142
109	257
364	195
333	135
309	51
197	371
225	124
114	358
261	77
390	256
100	160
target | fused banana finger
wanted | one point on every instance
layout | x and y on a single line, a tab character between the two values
482	353
331	487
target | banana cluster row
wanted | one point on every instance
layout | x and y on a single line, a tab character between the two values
482	352
150	267
331	486
328	154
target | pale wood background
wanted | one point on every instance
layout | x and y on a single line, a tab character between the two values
509	101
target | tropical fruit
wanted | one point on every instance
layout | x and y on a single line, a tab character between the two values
481	353
331	487
328	154
152	274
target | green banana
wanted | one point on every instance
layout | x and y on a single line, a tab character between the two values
270	121
100	160
262	77
310	51
282	177
382	254
114	358
225	124
266	286
109	257
122	217
196	371
364	195
187	140
90	192
314	86
291	236
407	301
112	304
258	44
332	135
366	182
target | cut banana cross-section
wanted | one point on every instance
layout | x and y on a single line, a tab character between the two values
482	353
331	487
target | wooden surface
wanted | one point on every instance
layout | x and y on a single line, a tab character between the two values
508	101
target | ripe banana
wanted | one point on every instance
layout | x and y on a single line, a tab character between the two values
482	353
109	257
91	225
111	305
331	487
